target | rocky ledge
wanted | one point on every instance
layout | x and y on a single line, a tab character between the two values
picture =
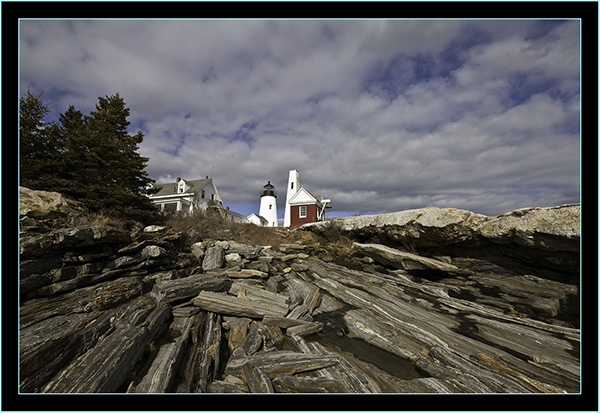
543	238
151	310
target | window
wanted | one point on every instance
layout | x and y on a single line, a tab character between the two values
292	187
302	212
270	206
203	194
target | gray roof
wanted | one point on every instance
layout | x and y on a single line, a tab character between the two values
229	212
171	187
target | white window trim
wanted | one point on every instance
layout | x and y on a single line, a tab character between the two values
300	214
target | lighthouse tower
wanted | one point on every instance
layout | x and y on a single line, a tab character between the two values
292	188
268	205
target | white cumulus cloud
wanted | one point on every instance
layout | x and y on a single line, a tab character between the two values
377	115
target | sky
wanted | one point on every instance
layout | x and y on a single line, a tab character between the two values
377	115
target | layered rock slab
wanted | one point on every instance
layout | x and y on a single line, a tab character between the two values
547	237
134	324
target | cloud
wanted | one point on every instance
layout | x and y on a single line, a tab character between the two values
376	115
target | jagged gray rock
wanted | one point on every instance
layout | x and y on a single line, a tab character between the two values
213	258
295	384
537	236
103	310
104	368
173	290
45	204
242	307
256	379
404	260
164	369
280	362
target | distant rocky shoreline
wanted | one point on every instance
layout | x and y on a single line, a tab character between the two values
425	301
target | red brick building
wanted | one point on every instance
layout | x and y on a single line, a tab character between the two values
306	208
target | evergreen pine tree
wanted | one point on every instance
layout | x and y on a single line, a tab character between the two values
115	177
73	133
39	145
89	157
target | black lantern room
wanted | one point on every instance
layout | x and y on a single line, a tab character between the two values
268	190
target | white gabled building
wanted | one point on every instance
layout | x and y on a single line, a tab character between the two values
232	216
186	196
302	207
257	220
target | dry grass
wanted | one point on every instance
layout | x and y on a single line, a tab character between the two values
328	238
334	240
202	225
209	225
91	218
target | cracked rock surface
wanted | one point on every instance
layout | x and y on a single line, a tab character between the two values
104	310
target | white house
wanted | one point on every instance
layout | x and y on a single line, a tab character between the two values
183	195
232	216
257	220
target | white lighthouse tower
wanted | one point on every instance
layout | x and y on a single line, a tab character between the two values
268	205
292	188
